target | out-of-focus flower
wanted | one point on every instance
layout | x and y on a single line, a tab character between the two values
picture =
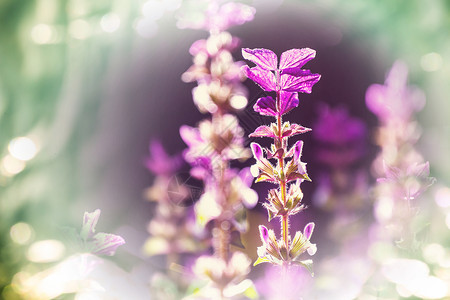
98	243
225	279
159	162
413	277
395	100
222	137
411	182
88	276
218	76
237	193
218	17
342	137
283	284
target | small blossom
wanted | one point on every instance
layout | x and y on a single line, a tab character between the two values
412	182
275	206
211	140
274	251
295	168
159	162
395	99
342	137
265	167
218	17
98	243
222	273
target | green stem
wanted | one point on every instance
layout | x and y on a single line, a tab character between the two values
285	218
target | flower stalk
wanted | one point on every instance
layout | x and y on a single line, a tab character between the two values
215	142
286	79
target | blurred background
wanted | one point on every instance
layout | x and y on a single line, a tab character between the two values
85	85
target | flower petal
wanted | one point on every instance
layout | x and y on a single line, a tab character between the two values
264	58
190	135
264	234
257	151
312	249
263	131
302	83
106	243
266	106
298	147
287	101
294	59
89	222
264	78
309	228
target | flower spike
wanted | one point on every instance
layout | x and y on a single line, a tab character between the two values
286	80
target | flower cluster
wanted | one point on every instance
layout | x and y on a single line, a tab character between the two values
342	145
403	174
217	141
286	80
170	229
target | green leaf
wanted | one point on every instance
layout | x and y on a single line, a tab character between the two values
261	260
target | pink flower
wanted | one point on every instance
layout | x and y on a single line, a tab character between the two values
98	243
395	99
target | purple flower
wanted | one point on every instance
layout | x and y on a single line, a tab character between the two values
395	99
218	18
98	243
411	182
264	170
223	138
342	137
159	162
264	234
274	251
295	168
288	76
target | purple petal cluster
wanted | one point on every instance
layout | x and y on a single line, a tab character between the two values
218	17
286	78
218	140
395	100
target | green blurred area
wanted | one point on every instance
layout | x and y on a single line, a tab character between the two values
55	55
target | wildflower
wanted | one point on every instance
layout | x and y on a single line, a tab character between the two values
412	182
211	140
98	243
159	162
275	251
286	79
394	99
218	18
